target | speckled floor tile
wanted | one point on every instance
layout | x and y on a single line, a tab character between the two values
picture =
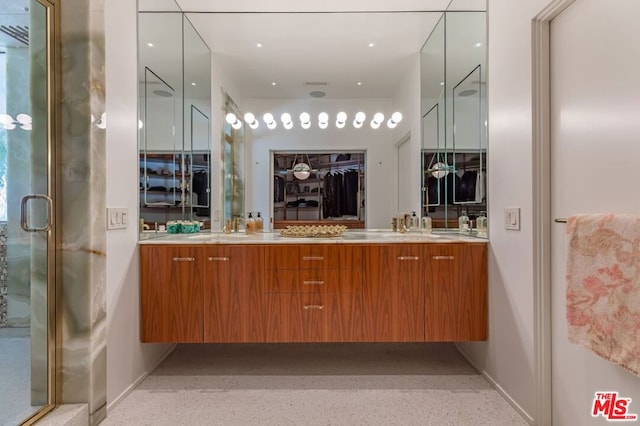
361	384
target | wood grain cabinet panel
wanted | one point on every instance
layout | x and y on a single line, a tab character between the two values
233	298
171	294
456	296
393	293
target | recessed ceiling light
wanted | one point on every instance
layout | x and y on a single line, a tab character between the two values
193	83
359	83
371	44
478	44
273	83
258	44
150	44
442	83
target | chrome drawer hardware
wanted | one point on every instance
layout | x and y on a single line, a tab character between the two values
312	257
312	282
408	258
307	307
184	259
219	259
443	257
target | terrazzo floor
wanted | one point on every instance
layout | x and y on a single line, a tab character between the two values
314	384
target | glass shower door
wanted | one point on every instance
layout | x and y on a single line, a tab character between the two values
26	211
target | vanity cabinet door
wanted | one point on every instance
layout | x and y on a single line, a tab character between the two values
233	297
393	293
171	293
456	295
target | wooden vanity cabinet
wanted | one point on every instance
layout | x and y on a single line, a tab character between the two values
456	292
171	292
393	293
313	293
233	293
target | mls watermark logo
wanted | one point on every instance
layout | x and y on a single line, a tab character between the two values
612	407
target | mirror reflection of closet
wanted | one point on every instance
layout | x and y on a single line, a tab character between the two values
331	192
233	168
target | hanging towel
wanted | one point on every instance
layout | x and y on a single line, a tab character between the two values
603	286
479	195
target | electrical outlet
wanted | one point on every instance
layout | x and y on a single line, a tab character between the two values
512	218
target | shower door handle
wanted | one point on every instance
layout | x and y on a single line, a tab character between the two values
24	222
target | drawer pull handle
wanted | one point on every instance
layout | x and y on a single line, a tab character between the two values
219	259
443	257
312	282
307	307
408	258
312	257
184	259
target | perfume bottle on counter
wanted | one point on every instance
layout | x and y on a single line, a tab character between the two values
463	223
426	225
481	224
414	222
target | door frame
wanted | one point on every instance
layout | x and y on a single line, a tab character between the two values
542	222
398	144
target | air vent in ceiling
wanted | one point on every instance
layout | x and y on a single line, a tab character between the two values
315	84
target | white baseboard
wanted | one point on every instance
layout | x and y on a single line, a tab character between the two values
499	388
139	380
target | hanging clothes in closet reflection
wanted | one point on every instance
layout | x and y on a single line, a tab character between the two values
200	188
340	196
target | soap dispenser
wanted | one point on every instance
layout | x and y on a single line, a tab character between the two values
463	222
250	225
259	222
481	224
426	225
414	222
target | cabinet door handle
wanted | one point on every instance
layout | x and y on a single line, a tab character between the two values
318	307
218	259
312	282
443	257
408	258
184	259
312	257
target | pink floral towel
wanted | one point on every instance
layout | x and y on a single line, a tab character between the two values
603	286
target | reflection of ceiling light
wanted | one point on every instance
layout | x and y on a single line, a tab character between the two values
439	170
250	119
258	44
359	119
341	119
24	118
396	117
140	124
478	44
377	120
323	120
150	44
269	120
193	83
233	120
286	120
6	119
442	83
371	44
305	120
273	83
302	171
359	83
9	126
102	123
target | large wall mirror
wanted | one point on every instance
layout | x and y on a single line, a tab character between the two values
175	119
454	146
315	82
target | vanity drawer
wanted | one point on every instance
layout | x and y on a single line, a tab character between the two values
313	317
313	281
313	256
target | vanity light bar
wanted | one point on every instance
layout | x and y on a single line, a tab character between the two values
305	120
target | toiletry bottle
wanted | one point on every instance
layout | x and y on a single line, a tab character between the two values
463	223
426	225
250	225
481	224
259	223
414	222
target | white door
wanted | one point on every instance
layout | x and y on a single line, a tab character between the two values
595	168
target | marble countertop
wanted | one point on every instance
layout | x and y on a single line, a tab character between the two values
371	236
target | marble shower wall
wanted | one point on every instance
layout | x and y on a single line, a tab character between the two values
81	206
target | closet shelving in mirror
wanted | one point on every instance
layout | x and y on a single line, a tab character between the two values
333	193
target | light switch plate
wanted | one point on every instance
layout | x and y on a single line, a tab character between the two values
117	218
512	218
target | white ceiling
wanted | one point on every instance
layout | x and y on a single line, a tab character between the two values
327	43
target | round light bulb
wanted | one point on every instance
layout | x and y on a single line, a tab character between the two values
396	117
267	117
305	118
230	118
342	116
24	118
323	117
6	119
378	117
249	117
288	125
285	118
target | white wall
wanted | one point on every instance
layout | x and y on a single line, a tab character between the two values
127	358
507	357
380	163
407	100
